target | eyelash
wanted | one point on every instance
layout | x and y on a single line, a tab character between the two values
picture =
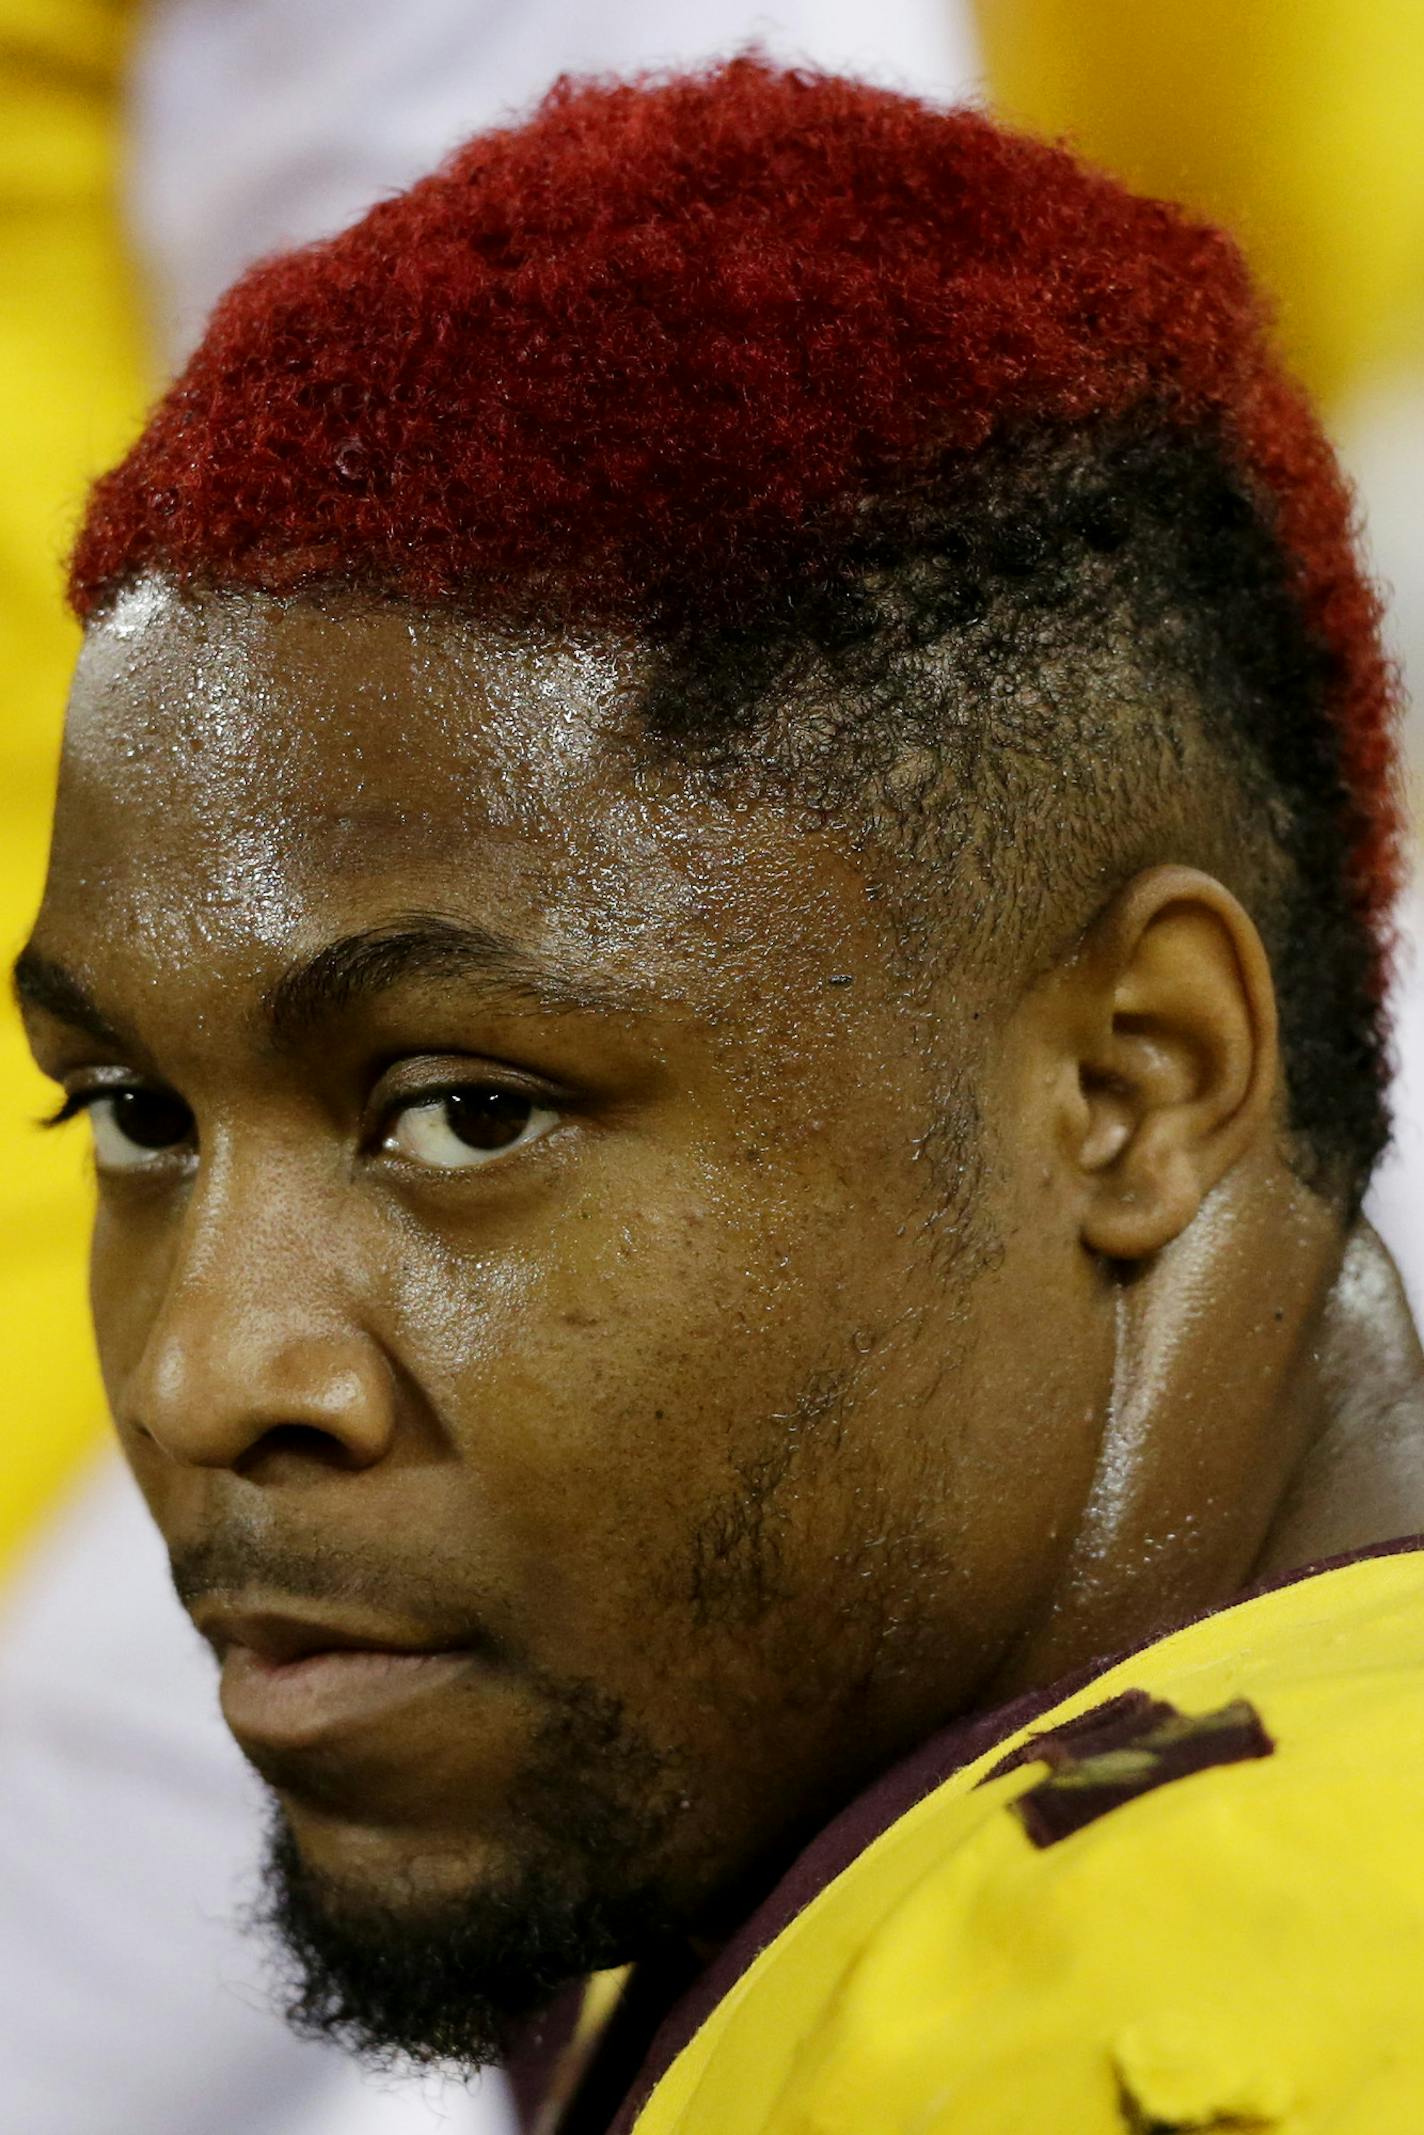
77	1102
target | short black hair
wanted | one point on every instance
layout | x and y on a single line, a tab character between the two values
1075	654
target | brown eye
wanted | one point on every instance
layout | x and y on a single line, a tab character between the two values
487	1119
463	1128
133	1127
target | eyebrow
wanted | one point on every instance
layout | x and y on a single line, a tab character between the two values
42	984
316	990
358	967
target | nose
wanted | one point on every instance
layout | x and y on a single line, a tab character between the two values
255	1344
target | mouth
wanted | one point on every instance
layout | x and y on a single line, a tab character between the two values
290	1682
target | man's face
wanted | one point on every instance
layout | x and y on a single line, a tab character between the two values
540	1228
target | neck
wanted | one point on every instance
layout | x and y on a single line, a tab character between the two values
1361	1480
1267	1411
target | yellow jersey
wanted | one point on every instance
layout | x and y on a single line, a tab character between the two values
1187	1895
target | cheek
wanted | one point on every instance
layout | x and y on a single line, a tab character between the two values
602	1390
1032	1393
129	1260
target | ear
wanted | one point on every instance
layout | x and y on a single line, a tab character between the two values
1173	1010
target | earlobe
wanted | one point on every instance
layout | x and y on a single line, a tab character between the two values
1179	1066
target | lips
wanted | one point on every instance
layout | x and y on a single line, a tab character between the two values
297	1704
290	1682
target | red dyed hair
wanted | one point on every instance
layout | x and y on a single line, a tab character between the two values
662	338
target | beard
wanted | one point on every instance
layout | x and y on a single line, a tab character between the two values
400	1979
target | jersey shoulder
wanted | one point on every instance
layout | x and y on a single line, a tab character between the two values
1191	1896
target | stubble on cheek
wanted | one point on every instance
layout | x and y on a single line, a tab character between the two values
783	1603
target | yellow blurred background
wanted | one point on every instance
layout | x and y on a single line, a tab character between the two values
71	386
1298	123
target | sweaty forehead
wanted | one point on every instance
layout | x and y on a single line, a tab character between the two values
267	771
329	714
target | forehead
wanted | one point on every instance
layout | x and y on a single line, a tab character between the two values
353	732
262	773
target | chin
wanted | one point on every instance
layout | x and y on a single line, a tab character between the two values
432	1892
407	1949
393	1861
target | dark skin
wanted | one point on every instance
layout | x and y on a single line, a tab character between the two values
663	1391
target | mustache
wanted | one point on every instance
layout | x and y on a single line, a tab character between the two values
310	1574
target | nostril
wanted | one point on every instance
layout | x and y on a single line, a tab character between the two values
304	1442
